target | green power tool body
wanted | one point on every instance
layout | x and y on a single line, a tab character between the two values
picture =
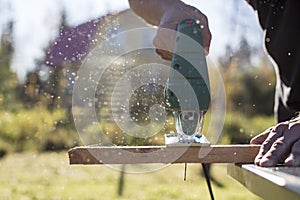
187	90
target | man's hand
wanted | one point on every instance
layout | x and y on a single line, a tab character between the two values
280	144
166	14
164	40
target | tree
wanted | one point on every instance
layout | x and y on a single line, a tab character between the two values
31	89
249	79
8	79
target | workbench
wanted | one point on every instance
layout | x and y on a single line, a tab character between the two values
274	183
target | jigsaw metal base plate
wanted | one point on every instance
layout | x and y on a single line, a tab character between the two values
174	139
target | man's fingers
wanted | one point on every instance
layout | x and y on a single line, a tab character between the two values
275	133
166	33
272	135
259	139
206	40
206	34
166	55
276	154
164	42
281	148
293	160
165	39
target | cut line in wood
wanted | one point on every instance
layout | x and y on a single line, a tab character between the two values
90	155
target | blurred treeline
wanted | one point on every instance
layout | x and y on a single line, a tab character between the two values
32	115
249	80
36	115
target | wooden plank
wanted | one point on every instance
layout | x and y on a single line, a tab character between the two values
162	154
268	183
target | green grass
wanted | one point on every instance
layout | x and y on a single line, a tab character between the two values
49	176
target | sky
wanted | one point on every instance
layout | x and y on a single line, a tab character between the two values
36	23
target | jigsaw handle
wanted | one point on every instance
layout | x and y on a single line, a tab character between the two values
189	61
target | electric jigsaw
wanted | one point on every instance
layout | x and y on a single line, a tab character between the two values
188	67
